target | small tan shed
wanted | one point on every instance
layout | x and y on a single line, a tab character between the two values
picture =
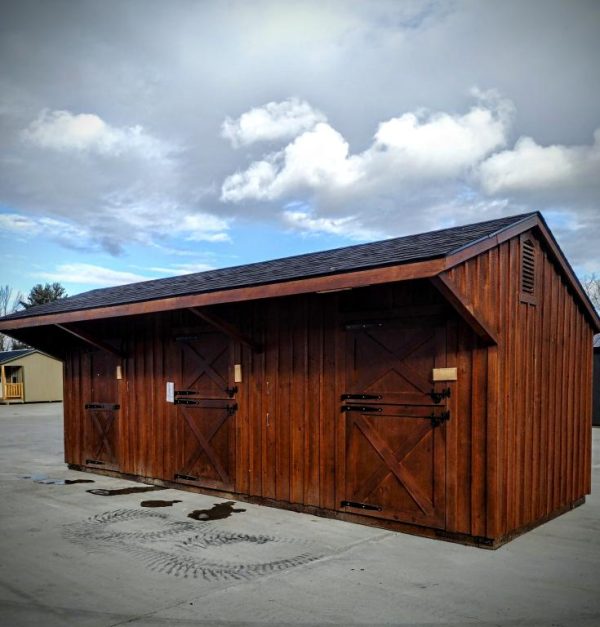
30	376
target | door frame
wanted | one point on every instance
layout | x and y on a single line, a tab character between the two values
440	440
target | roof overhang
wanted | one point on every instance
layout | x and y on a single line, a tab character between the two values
427	269
322	284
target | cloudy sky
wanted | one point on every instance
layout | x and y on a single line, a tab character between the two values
143	139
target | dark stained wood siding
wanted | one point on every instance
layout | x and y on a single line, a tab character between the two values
596	403
518	441
537	450
287	423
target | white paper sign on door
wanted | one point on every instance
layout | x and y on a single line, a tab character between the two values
170	392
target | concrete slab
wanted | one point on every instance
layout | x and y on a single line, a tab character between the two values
69	557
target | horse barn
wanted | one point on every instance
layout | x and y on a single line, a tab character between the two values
438	384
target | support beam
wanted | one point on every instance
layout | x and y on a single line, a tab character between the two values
360	278
465	309
225	327
90	339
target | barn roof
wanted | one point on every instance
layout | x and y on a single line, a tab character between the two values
431	245
423	255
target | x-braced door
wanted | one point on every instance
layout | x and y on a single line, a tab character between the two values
394	421
207	408
101	413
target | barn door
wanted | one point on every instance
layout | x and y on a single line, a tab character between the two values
394	421
206	409
101	413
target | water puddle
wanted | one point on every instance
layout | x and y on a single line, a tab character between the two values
119	491
45	480
64	481
217	512
159	503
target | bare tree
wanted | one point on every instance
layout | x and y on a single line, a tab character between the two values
9	302
591	284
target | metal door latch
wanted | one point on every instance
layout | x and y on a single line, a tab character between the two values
368	506
363	409
185	477
231	392
361	397
437	397
438	419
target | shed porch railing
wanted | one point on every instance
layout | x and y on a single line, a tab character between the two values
12	391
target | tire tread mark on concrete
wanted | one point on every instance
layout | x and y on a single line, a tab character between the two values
96	534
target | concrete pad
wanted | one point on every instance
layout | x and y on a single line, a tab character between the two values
69	557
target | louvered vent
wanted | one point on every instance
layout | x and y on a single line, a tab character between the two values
527	268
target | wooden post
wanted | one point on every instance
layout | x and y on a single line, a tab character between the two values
3	380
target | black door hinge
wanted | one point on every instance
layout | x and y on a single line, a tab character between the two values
437	397
438	419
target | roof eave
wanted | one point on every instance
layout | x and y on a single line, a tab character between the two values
320	284
338	281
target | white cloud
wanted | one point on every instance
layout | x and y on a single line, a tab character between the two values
441	145
348	226
26	227
414	147
317	158
18	224
90	274
203	227
530	167
182	268
65	131
141	223
273	121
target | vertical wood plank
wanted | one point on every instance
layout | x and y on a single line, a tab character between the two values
269	419
478	441
313	402
255	384
296	408
340	418
329	406
452	429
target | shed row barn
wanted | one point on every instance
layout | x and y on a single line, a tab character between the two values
438	384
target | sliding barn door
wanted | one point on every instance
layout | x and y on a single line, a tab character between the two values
101	409
206	411
394	421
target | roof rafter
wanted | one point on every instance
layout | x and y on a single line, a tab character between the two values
464	308
88	338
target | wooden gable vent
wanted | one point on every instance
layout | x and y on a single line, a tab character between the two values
528	270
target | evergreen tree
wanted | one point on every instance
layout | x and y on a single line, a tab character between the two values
41	294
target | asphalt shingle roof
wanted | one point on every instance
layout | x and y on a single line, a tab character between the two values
8	355
399	250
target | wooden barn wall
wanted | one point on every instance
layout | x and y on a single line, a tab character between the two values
538	443
289	432
596	403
